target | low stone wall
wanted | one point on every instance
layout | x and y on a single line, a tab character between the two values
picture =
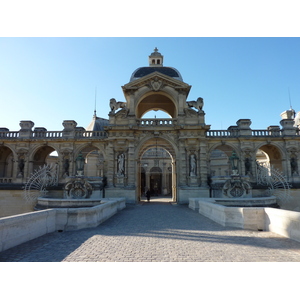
78	218
280	221
19	229
240	217
283	222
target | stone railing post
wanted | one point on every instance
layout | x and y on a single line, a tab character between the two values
288	127
244	127
26	129
69	128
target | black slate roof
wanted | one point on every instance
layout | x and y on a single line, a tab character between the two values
141	72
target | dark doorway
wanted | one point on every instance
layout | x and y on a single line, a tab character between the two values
156	181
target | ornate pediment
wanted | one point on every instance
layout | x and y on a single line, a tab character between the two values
155	81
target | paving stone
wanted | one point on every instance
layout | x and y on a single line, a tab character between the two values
156	232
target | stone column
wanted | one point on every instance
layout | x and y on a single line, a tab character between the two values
164	179
110	165
131	166
203	170
147	178
174	181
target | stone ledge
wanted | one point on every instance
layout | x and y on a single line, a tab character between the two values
283	222
19	229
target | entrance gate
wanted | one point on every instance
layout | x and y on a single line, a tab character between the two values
156	171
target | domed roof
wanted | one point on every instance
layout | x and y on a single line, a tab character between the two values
143	71
155	65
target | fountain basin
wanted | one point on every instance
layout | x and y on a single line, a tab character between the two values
44	203
251	217
247	202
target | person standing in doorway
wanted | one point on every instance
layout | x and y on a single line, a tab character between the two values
148	195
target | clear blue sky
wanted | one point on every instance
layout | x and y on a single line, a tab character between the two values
49	80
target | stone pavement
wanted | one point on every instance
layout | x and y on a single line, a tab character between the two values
158	231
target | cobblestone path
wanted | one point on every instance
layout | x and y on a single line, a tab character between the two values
157	232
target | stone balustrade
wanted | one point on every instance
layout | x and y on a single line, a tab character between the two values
90	134
82	134
53	134
9	134
6	180
258	133
157	122
254	133
221	133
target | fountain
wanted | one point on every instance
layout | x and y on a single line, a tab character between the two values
237	191
83	204
79	190
236	205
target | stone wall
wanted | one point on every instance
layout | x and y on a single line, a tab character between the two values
280	221
21	228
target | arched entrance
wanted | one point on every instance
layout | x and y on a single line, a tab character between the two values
94	161
219	161
269	155
156	170
6	164
45	155
156	101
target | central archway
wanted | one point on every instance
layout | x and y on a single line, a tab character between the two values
156	102
156	170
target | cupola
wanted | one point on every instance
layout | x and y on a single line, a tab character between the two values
155	65
156	59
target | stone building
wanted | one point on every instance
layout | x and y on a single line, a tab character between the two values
179	156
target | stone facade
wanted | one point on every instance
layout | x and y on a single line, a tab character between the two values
195	157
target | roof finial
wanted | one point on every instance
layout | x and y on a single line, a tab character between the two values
95	115
155	50
291	108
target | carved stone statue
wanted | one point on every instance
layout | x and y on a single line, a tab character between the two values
198	104
248	166
123	113
114	105
121	164
294	166
66	167
21	165
193	165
